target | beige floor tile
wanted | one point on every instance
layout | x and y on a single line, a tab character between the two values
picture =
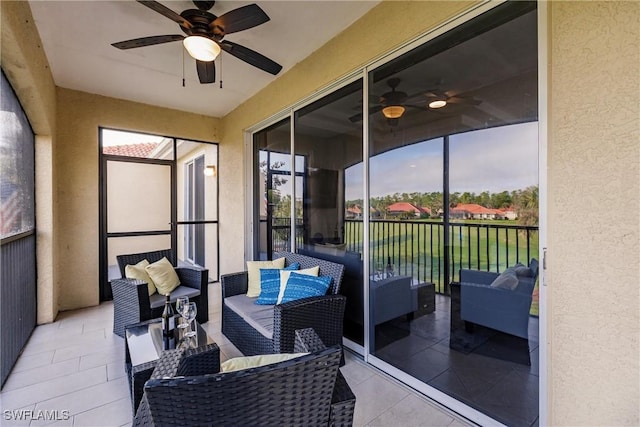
56	387
374	396
113	414
115	370
412	411
33	361
355	371
37	375
88	398
62	340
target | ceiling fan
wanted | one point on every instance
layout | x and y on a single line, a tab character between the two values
437	99
205	33
392	104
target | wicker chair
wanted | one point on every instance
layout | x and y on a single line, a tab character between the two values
324	314
305	391
131	303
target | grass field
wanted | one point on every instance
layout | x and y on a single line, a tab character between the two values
417	248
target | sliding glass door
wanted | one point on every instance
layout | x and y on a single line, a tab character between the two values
425	166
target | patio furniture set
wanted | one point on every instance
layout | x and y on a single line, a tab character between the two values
189	386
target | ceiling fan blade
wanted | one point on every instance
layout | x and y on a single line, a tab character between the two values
147	41
461	100
206	71
251	57
239	19
165	11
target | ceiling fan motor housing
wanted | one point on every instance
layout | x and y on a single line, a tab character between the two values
201	24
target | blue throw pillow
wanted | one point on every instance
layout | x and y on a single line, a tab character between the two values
270	284
304	286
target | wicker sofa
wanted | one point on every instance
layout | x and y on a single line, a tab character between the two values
324	314
306	391
131	300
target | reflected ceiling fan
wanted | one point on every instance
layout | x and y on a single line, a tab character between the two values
205	33
437	99
394	103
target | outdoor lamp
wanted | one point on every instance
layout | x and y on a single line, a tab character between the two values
201	48
210	170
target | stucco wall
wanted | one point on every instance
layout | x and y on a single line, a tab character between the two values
76	158
27	69
594	194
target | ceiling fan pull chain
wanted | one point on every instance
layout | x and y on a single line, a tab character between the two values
182	50
220	71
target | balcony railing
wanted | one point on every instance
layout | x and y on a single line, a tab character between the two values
416	247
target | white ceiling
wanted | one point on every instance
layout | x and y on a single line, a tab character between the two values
77	37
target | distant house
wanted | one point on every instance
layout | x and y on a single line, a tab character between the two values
353	212
475	211
400	208
509	213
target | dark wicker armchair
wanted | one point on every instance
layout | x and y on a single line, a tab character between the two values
305	391
131	301
324	313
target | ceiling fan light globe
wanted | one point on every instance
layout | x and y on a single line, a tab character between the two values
201	48
438	103
393	111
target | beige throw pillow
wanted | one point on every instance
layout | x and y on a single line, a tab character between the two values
239	363
164	276
253	271
138	272
284	278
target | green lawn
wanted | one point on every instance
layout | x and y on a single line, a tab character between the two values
417	248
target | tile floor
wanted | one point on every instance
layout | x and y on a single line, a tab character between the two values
72	369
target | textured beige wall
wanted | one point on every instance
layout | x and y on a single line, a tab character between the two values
594	194
27	69
385	27
76	159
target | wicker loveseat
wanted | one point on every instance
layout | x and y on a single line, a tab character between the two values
305	391
131	300
324	313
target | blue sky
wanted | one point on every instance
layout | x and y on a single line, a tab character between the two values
495	159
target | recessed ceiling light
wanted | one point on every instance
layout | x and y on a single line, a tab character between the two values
439	103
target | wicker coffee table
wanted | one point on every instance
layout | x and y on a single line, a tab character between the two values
143	345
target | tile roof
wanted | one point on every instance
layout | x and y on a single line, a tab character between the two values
132	150
406	207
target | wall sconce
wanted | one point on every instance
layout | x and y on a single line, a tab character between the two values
210	170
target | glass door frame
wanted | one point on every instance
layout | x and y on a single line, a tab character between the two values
103	272
468	14
104	288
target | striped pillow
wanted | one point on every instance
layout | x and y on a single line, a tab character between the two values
270	284
304	286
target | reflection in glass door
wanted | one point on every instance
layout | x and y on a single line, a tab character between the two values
453	149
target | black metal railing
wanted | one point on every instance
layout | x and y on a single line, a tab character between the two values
281	233
417	247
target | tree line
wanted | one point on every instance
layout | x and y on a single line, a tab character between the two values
523	201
